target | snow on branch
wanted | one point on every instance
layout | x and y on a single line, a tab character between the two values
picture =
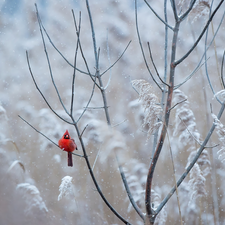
150	103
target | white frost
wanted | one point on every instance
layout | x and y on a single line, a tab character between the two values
65	187
32	197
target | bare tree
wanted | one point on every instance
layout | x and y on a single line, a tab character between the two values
157	114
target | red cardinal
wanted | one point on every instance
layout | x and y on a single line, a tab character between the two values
68	145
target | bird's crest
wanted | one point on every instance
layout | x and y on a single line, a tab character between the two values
66	135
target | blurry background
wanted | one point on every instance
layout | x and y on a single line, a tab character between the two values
44	164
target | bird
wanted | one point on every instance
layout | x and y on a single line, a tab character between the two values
67	144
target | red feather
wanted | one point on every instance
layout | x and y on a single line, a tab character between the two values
68	145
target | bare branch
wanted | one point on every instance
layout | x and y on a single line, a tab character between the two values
150	52
183	176
165	22
138	210
53	45
191	75
92	93
206	68
117	59
222	78
142	50
110	71
101	107
94	179
149	210
97	65
177	104
173	5
182	17
31	73
49	65
200	36
83	130
119	123
174	176
194	136
75	63
45	135
81	50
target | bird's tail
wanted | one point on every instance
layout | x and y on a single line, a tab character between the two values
70	159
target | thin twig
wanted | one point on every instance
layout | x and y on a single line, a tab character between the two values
89	101
45	135
75	63
93	176
198	66
117	59
119	123
48	61
174	176
96	159
165	78
222	78
206	68
84	130
110	71
150	52
138	210
184	175
35	83
182	17
173	5
142	50
82	53
194	136
97	65
177	104
200	36
100	107
53	45
149	211
216	55
191	75
165	22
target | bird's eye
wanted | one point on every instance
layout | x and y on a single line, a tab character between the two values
66	136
